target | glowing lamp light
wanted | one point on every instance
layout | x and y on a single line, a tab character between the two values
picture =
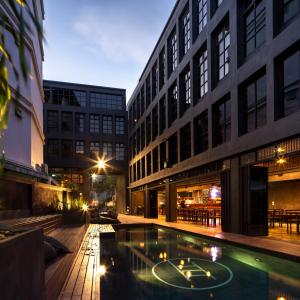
102	270
161	255
165	254
142	245
180	267
280	298
101	164
208	274
280	150
188	274
182	262
281	161
85	207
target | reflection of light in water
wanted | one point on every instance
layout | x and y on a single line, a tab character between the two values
214	253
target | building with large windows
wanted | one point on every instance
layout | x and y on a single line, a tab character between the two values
214	122
84	125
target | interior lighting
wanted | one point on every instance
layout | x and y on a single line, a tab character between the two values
85	207
280	150
161	256
280	298
208	274
101	164
94	176
182	262
102	270
281	160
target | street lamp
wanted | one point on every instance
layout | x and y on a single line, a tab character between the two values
101	164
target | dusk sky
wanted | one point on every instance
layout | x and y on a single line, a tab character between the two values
102	42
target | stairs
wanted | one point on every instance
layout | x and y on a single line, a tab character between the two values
48	223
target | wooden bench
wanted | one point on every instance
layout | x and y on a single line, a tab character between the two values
57	271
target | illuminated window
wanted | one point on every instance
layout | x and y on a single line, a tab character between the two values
79	147
107	150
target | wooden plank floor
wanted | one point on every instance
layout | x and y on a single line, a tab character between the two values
83	281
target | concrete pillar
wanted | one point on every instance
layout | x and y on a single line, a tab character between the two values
235	195
171	202
121	193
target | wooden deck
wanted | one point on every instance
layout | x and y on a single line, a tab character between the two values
83	281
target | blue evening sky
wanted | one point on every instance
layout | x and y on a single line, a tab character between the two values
102	42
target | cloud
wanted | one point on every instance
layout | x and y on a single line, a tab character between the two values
120	35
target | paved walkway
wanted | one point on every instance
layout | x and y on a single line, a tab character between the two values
287	249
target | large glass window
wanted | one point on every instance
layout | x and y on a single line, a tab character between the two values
255	23
162	68
201	133
142	100
154	122
253	104
148	129
289	71
95	148
155	160
94	123
120	152
202	14
79	122
66	97
142	135
52	121
106	101
107	150
201	74
79	147
185	26
67	148
66	122
223	45
172	101
185	142
53	148
162	115
107	124
222	122
148	91
149	164
290	9
172	51
154	80
185	90
120	125
173	150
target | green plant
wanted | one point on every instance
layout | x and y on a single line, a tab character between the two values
18	29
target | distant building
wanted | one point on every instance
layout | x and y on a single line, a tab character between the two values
84	124
214	121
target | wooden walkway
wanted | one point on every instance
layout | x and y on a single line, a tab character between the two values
83	281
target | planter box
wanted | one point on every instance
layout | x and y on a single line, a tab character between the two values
22	266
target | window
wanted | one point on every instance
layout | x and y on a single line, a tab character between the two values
67	97
79	123
148	129
142	135
120	125
107	124
107	150
162	68
143	167
215	5
285	12
173	150
222	44
66	148
201	73
138	140
185	90
155	160
138	166
95	148
185	142
288	74
254	25
222	121
134	172
201	133
202	14
66	122
163	155
149	164
120	152
172	52
53	148
173	100
94	123
154	122
52	121
219	2
253	104
148	91
138	107
154	80
142	100
162	115
79	147
106	101
47	94
185	32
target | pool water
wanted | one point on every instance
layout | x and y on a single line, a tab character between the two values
157	263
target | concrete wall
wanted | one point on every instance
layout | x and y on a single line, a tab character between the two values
286	195
22	266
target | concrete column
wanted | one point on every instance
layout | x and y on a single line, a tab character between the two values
121	193
235	206
171	202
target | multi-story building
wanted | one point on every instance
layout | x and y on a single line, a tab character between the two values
215	117
22	143
85	124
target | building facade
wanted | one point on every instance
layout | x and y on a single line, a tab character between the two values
215	117
83	125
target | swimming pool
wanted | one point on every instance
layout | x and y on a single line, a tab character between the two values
158	263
